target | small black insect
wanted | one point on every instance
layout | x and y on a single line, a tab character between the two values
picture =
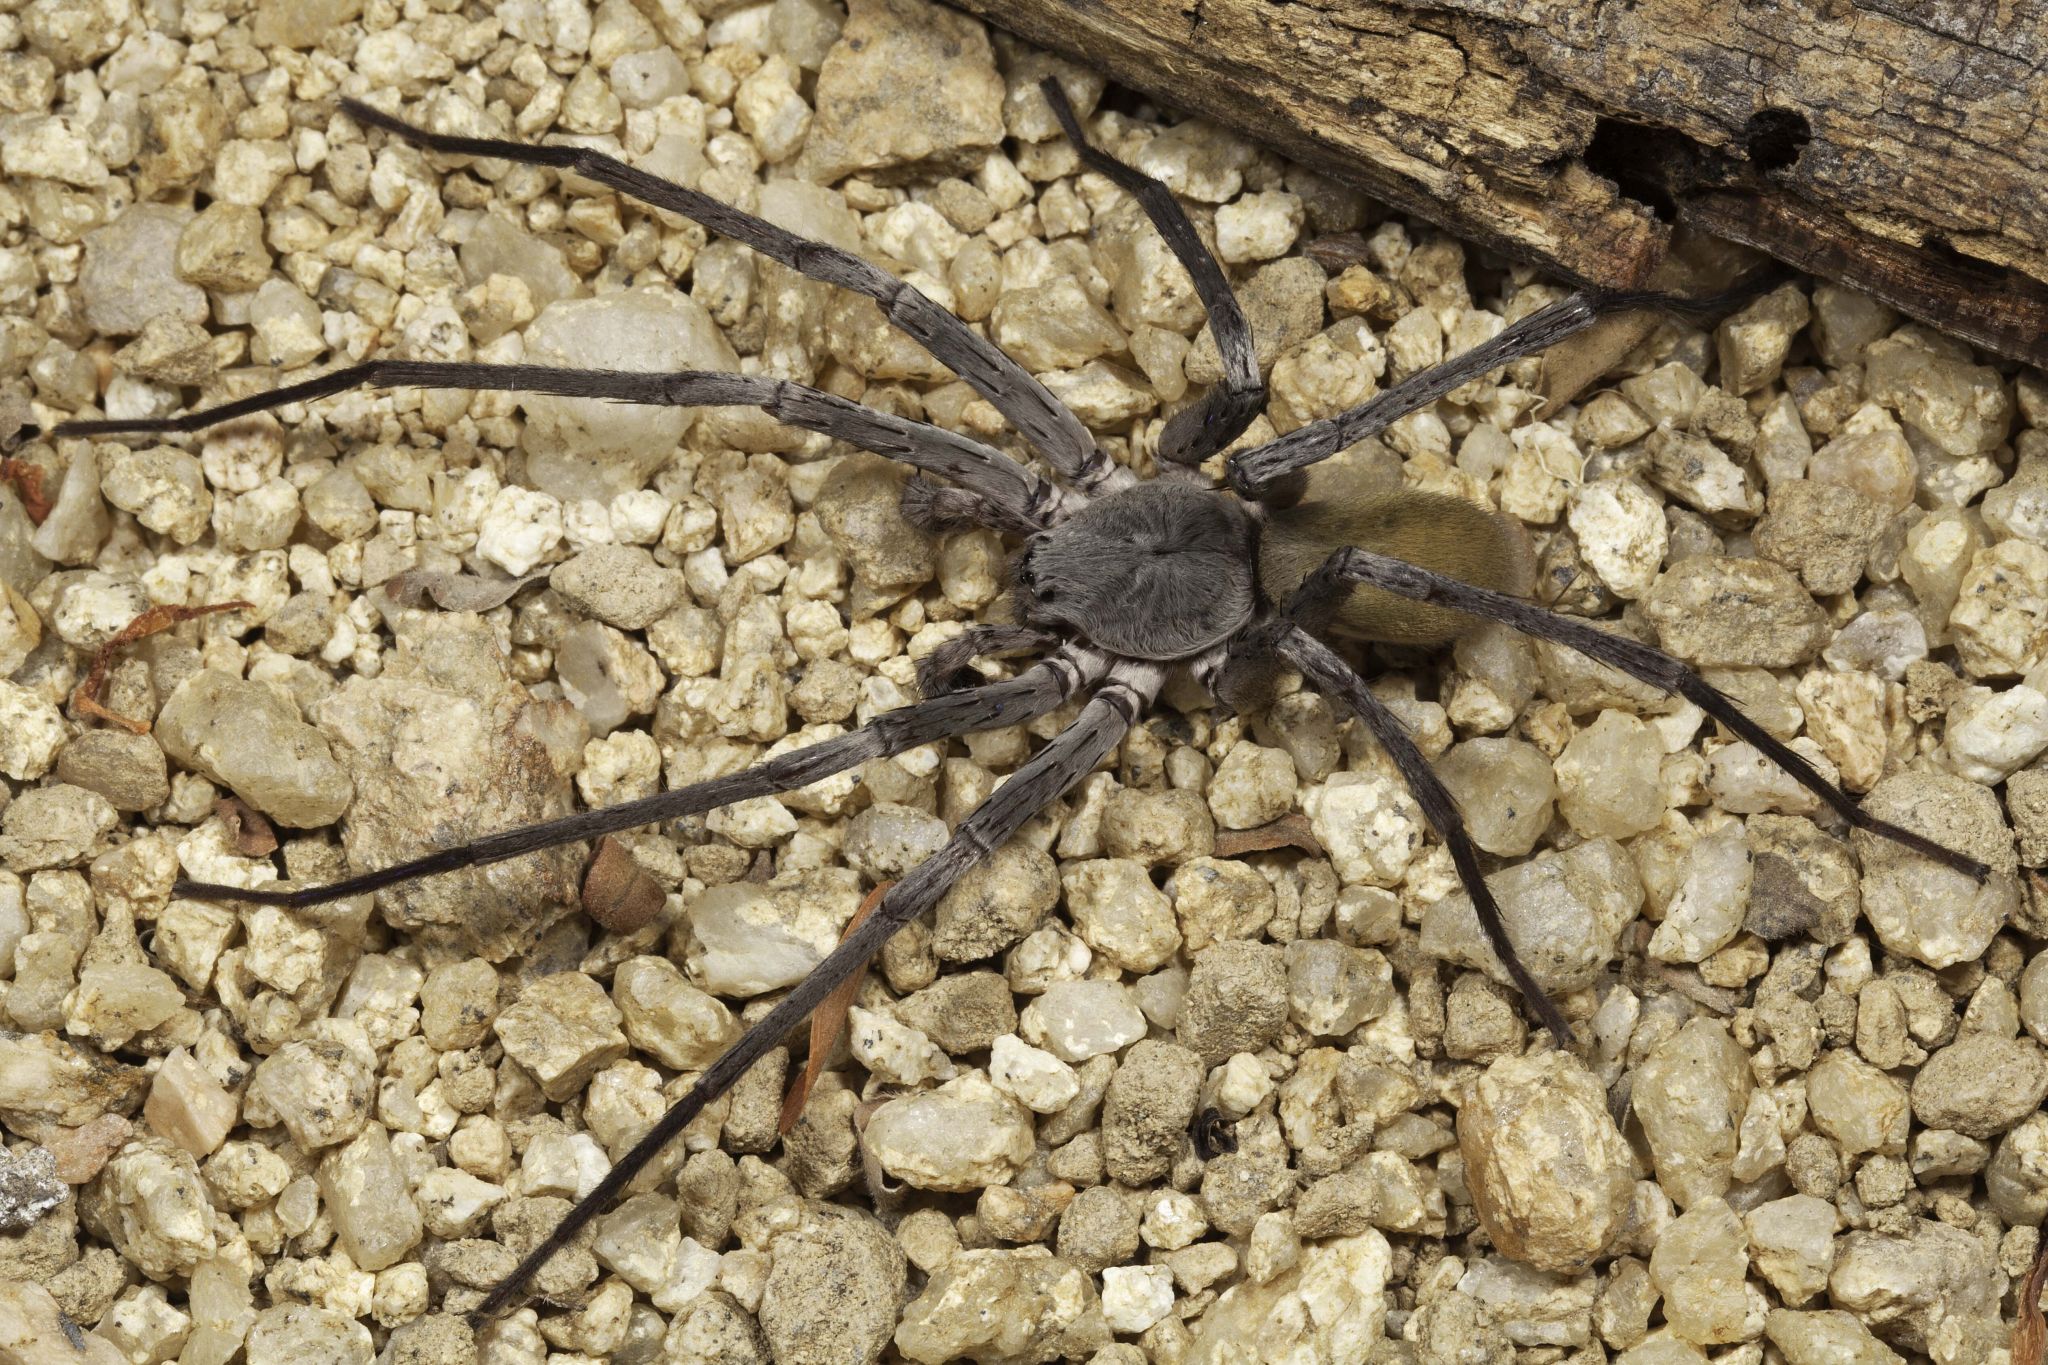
1213	1135
1120	579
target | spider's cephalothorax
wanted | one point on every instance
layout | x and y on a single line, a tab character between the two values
1117	579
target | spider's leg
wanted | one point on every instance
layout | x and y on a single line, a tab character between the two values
1261	474
980	469
1330	675
1065	760
1037	690
1008	386
1194	433
940	671
1346	567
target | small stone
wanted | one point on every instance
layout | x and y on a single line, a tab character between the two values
164	488
29	1188
1608	778
946	110
1565	914
752	938
995	904
1822	532
299	1333
887	840
188	1106
1690	1094
320	1091
1700	1266
964	1012
1368	823
894	1052
1219	898
1119	912
364	1187
1552	1179
1827	1337
1135	1297
53	826
1504	787
1909	1282
1257	227
1032	1076
249	739
834	1291
1707	911
1792	1241
620	585
130	272
1236	1000
1860	1107
1333	987
1963	409
222	248
1099	1228
964	1135
1752	343
288	325
1728	612
1054	325
665	1016
1991	735
1157	827
153	1205
1253	786
32	733
457	1004
1147	1109
1980	1085
1076	1020
1330	1305
1929	912
1048	1310
2000	602
1621	533
564	1030
577	445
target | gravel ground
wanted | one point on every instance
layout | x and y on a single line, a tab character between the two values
1135	1093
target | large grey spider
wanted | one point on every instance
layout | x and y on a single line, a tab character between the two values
1120	579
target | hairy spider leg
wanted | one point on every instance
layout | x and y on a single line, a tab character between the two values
1349	566
1263	475
1046	422
1201	429
1066	759
1330	675
1037	690
1022	497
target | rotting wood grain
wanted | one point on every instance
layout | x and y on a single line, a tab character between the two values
1898	146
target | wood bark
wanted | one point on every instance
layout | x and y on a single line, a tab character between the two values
1899	146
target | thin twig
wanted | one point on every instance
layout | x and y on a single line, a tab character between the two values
828	1021
152	622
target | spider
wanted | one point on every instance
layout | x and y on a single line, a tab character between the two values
1119	580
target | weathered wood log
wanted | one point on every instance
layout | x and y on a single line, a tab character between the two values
1899	146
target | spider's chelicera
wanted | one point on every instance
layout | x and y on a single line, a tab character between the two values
1119	581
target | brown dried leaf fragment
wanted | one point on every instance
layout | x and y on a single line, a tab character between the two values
2029	1330
618	893
86	698
454	591
1289	831
28	481
249	834
828	1021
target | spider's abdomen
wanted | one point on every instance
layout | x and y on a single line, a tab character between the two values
1447	534
1158	571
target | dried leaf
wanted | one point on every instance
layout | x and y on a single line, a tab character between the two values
454	591
28	481
1289	831
828	1021
2029	1331
618	893
26	622
249	834
152	622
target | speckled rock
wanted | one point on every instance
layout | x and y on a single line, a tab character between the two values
1981	1084
1860	1107
1907	1282
1236	999
1829	1337
249	739
1146	1110
130	275
962	1136
995	904
834	1291
997	1307
1920	908
908	83
1726	612
620	585
564	1030
444	747
1551	1177
1690	1094
1565	913
1330	1307
1700	1266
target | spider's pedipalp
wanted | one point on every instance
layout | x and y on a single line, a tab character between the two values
1032	693
1066	759
1020	495
1009	387
1638	660
1198	431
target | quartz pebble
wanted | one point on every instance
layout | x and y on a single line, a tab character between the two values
1550	1175
1565	913
991	1304
964	1135
1690	1094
